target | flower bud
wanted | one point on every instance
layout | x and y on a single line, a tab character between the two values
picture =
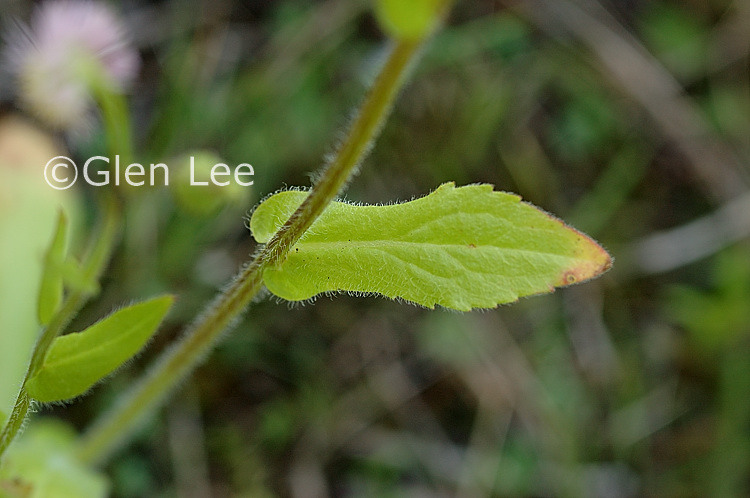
199	190
409	19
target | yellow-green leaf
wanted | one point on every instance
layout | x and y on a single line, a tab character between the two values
461	248
51	287
77	361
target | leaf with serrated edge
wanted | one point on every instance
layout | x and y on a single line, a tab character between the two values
461	248
77	361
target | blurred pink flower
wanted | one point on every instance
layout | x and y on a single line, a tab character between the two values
70	46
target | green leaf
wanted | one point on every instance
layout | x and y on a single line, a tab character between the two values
51	288
461	248
75	278
77	361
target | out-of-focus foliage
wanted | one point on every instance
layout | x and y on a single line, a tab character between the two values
29	210
409	20
636	384
42	465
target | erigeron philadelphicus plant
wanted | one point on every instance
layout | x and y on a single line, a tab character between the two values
458	247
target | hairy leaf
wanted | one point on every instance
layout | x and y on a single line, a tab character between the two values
461	248
77	361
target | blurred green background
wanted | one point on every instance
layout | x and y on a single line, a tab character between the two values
629	119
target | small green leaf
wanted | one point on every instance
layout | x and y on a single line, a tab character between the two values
75	278
461	248
51	288
77	361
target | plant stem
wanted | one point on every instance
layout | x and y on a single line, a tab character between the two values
117	123
178	361
364	130
116	119
102	244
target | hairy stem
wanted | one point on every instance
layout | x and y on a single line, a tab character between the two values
364	130
178	361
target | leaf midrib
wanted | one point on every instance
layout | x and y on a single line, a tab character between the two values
379	243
